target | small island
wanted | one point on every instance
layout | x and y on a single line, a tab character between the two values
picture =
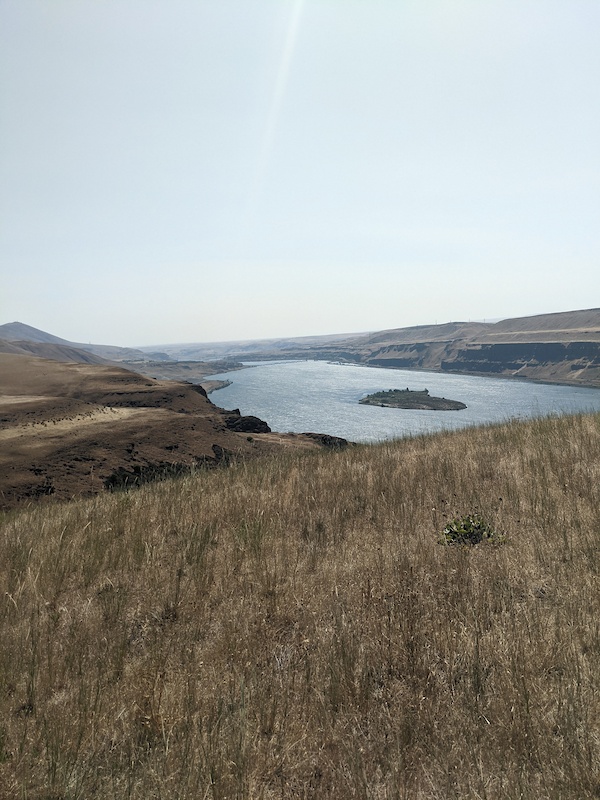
416	400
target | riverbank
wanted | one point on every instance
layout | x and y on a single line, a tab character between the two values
471	374
214	386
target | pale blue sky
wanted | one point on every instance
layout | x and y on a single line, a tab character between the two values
197	170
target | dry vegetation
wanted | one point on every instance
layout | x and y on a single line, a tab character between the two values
293	628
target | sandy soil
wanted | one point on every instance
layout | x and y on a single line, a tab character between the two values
58	428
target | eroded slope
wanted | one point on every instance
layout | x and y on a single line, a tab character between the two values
71	429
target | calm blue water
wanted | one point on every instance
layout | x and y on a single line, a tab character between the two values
300	396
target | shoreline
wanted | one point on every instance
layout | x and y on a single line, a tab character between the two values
432	370
214	386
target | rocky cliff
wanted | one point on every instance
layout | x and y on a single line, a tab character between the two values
561	348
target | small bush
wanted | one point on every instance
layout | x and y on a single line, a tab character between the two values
470	529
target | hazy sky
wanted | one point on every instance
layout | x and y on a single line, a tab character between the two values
198	170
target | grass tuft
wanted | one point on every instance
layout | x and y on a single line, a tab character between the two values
470	529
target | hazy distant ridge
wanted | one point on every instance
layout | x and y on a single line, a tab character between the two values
562	347
20	332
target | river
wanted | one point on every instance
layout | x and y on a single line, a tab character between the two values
301	396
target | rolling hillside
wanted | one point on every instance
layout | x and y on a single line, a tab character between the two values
52	351
72	429
19	332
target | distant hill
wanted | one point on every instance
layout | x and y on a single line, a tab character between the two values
562	348
201	351
587	320
560	327
56	352
20	332
424	333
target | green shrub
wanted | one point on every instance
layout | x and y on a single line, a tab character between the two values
470	529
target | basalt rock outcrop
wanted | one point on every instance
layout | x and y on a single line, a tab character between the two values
245	424
330	442
567	361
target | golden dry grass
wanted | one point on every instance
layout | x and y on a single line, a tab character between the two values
293	628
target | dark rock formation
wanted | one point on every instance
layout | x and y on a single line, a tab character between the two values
247	424
331	442
514	356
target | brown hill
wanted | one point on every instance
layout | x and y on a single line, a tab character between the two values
560	348
55	352
586	319
69	429
424	333
560	327
19	332
570	326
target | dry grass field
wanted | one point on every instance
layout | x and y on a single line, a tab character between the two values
295	627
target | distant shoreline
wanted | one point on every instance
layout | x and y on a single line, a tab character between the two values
434	371
430	370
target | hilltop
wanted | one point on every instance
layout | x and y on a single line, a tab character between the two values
33	340
562	348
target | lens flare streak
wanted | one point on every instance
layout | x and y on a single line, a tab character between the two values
270	129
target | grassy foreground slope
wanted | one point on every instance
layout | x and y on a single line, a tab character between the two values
293	628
